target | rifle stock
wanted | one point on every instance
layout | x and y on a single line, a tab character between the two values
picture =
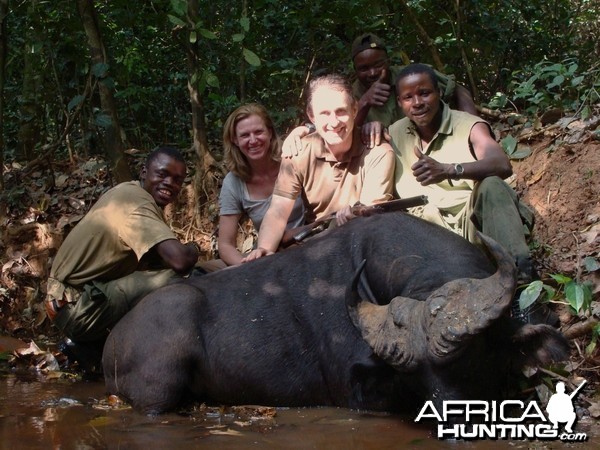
295	235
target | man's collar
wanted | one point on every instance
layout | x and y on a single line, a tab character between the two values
356	149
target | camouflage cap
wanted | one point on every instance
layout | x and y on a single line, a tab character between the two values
366	41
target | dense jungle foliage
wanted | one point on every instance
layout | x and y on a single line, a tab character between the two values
99	77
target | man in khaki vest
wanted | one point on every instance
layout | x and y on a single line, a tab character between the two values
121	250
452	157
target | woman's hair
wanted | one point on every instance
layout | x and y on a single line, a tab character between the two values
334	81
235	160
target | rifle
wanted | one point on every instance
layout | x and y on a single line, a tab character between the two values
298	234
574	393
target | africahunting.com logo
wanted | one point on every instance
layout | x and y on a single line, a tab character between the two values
509	419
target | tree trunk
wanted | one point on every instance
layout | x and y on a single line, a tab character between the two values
435	56
3	47
29	130
463	53
113	140
205	183
29	109
243	60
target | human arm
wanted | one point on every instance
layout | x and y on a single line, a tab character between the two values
378	183
272	228
177	256
228	228
376	95
292	145
490	161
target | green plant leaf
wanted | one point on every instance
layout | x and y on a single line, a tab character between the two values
509	144
586	112
245	23
251	57
212	80
591	263
530	294
100	70
550	291
75	101
193	37
577	80
589	349
103	120
521	154
238	37
578	296
176	20
207	34
560	278
557	81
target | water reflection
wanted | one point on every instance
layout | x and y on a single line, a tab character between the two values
64	414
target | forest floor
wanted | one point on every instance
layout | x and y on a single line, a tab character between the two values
560	180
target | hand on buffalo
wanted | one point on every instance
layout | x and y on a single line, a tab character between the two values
428	171
291	145
344	215
372	133
256	254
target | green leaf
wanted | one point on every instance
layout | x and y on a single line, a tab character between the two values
509	144
550	291
207	34
251	57
212	80
586	112
176	20
589	349
521	154
103	120
245	23
560	278
193	37
75	101
579	296
530	294
238	37
179	6
591	263
577	80
100	70
557	81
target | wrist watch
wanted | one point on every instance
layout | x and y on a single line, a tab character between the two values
458	171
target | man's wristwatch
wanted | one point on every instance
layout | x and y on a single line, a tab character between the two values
458	171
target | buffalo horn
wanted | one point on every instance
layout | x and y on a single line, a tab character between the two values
400	332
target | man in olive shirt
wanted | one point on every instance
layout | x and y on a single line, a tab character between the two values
375	88
454	159
121	250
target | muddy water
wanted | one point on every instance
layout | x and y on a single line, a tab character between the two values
37	413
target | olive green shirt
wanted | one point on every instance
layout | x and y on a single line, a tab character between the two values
448	200
391	112
108	243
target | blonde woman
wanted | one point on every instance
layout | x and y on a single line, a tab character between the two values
253	156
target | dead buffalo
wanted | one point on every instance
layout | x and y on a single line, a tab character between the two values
288	330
